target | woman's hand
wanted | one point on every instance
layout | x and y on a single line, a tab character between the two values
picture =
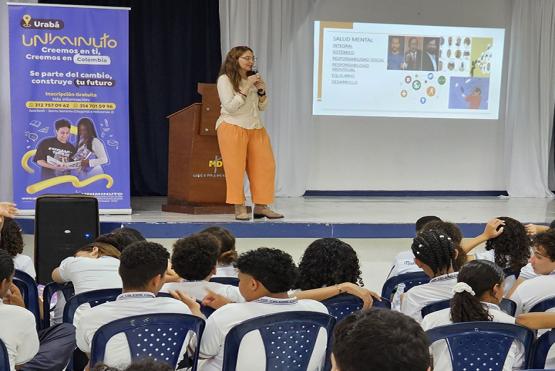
260	84
252	80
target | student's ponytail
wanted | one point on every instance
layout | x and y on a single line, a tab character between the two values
475	278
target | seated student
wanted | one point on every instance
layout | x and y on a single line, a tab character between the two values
379	339
50	349
94	267
265	276
142	268
228	255
476	297
404	261
534	290
435	253
194	259
11	240
327	262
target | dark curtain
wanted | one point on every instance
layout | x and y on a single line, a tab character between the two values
174	44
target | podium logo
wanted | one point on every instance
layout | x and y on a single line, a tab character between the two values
41	24
216	163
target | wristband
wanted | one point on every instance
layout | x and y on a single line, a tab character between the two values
261	94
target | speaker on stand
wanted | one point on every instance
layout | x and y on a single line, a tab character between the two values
63	223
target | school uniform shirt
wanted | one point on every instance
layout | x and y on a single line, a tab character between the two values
416	298
404	263
251	355
226	271
442	360
25	263
527	272
532	291
238	109
87	322
198	289
19	334
87	274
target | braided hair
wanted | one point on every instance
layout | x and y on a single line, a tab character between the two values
481	276
512	247
453	231
435	249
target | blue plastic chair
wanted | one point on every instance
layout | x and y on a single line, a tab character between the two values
541	348
207	311
340	306
409	279
94	298
296	332
544	305
233	281
50	289
28	287
4	357
159	336
487	341
507	305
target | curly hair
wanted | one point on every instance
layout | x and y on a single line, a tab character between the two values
142	261
230	66
547	241
327	262
119	240
435	249
481	276
423	221
274	268
7	268
396	341
11	239
228	254
131	233
453	231
512	247
194	257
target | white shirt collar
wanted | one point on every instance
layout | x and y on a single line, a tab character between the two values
445	277
136	295
268	300
490	306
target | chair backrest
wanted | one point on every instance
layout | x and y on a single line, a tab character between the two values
50	289
288	339
28	287
233	281
506	305
409	279
544	305
481	345
4	357
159	336
94	298
541	348
206	310
340	306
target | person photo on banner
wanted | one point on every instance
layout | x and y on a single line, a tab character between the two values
90	150
53	154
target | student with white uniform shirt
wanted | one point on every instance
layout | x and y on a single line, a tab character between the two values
265	276
11	240
49	349
476	297
227	255
379	339
194	259
142	268
435	253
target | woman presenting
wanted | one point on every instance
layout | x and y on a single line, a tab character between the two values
244	143
90	150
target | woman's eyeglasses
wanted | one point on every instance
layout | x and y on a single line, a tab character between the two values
249	59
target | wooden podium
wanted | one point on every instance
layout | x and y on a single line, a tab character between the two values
196	179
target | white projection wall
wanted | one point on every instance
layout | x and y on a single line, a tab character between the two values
394	70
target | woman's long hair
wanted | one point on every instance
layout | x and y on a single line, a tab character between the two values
104	249
91	132
481	276
230	65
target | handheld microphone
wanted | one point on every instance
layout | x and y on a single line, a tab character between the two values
254	72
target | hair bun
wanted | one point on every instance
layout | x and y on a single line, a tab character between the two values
463	287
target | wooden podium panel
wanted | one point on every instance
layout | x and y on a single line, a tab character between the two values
196	179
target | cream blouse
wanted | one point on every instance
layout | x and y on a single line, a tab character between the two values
237	109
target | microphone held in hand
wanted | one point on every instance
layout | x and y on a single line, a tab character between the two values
254	72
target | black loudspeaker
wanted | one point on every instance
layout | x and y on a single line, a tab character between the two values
63	223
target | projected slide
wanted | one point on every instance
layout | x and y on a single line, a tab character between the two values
365	69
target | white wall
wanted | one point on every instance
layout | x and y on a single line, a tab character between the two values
362	153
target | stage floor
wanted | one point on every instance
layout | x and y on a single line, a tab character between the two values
345	217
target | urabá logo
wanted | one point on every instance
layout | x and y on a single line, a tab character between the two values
41	24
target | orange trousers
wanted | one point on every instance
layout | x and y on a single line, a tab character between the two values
247	150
